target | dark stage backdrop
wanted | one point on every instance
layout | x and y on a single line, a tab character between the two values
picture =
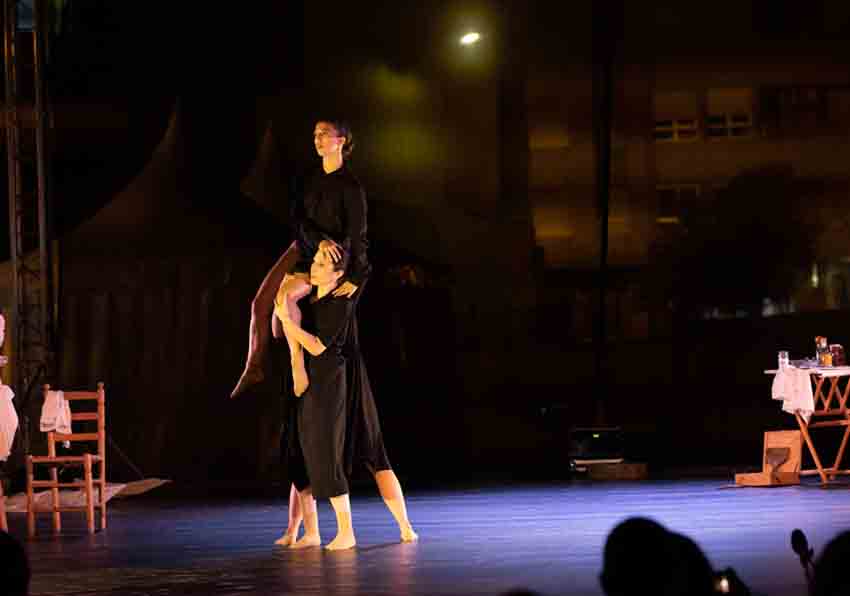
177	131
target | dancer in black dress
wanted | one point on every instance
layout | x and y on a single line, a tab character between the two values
336	423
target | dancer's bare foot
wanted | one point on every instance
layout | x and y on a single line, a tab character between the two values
408	535
300	380
343	541
288	539
306	541
250	377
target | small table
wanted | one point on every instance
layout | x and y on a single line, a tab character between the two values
830	410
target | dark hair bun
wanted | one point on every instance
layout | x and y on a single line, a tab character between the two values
348	148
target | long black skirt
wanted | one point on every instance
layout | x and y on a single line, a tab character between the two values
333	430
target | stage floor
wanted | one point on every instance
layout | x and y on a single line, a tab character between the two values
481	541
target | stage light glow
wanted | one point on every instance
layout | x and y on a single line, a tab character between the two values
470	38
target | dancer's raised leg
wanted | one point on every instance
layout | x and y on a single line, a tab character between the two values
311	535
344	530
295	517
293	289
391	492
262	307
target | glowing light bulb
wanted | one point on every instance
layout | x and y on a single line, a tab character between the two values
470	38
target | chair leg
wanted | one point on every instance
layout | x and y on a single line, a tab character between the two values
89	493
57	516
102	504
30	500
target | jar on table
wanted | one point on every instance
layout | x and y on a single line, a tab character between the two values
838	357
824	356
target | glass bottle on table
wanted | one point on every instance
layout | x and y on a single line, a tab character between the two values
824	356
838	358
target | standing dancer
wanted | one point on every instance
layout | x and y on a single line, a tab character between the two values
332	212
331	209
336	425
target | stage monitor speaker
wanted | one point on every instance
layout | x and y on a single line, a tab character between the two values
588	446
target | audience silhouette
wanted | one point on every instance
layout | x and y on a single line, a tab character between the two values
15	569
642	557
830	574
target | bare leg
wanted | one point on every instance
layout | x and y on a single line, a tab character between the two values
311	521
261	310
277	328
344	530
390	490
293	289
295	516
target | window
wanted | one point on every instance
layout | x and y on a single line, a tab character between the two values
674	201
676	117
803	111
729	113
728	125
682	130
805	99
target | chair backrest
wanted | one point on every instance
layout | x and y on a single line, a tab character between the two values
97	416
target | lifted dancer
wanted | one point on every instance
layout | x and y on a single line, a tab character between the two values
331	212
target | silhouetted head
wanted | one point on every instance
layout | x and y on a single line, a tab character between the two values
643	557
830	575
691	573
14	566
330	136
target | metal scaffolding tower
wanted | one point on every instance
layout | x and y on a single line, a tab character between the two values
27	119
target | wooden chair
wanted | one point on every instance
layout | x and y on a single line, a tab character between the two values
87	461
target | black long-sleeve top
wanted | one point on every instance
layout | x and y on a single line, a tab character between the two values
333	206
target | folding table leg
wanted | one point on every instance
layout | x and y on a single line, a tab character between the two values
818	390
805	431
834	392
840	455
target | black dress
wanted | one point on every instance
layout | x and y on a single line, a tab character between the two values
331	207
334	426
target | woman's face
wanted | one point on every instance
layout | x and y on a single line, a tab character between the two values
322	270
326	139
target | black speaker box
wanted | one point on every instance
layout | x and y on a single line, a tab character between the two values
595	445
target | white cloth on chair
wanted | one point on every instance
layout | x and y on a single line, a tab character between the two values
56	413
8	422
793	386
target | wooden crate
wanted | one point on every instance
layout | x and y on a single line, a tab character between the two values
780	460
